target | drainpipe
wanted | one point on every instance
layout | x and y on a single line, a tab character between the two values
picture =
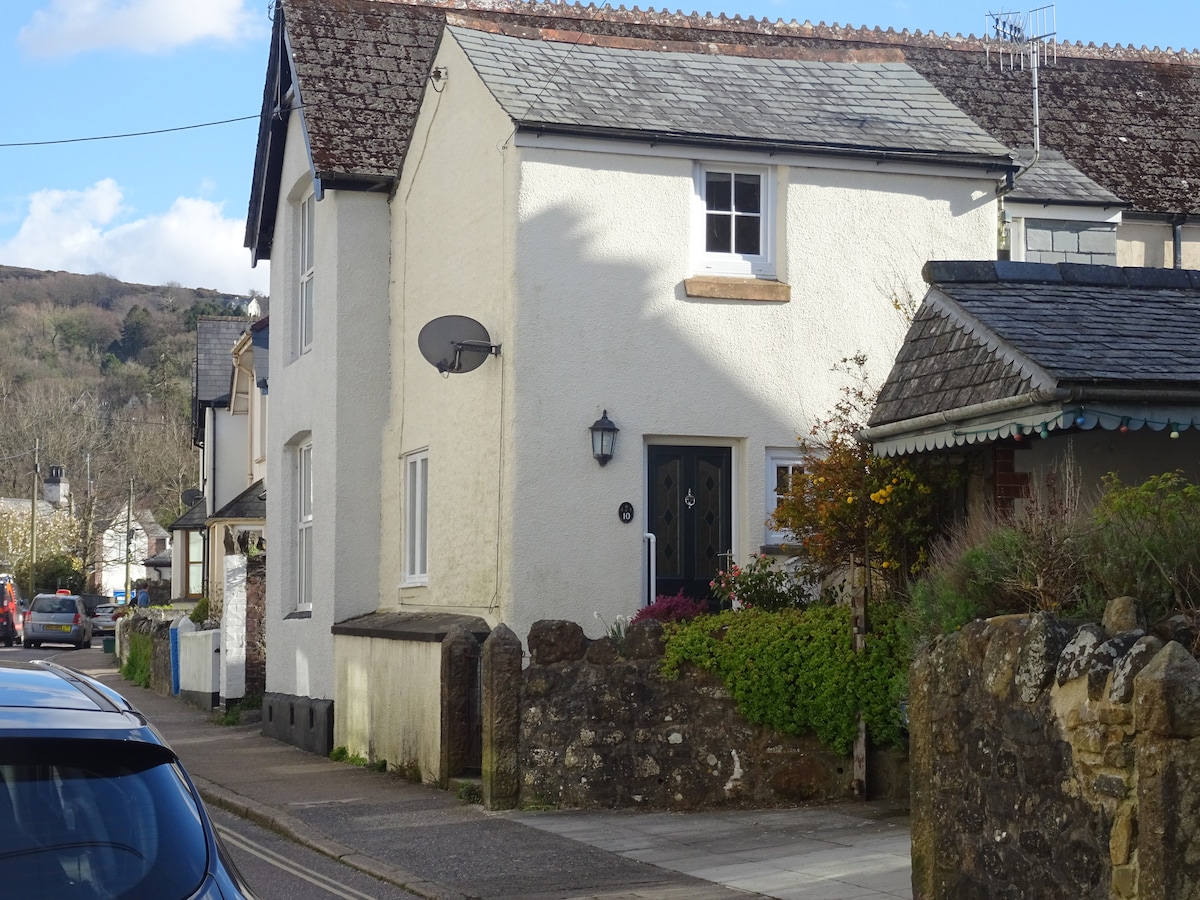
1177	244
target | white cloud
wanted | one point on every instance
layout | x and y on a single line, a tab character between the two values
68	27
78	231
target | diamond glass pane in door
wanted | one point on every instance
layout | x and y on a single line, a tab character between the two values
667	520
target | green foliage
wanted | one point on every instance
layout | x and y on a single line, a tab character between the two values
232	714
796	670
136	668
760	584
469	792
54	571
199	613
211	308
341	754
1138	540
847	503
1146	543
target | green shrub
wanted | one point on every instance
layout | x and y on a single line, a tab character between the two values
1146	543
199	613
761	584
796	671
136	668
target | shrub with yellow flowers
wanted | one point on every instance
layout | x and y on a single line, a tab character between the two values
846	503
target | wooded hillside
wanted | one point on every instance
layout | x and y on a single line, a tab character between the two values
96	375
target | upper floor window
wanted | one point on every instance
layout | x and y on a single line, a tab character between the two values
308	208
416	518
735	234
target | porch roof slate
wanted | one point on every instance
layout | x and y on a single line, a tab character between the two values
989	332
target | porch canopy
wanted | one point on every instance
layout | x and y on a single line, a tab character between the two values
1006	350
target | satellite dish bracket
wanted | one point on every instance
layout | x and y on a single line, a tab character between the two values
470	347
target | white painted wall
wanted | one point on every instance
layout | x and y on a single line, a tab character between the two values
574	259
387	704
1152	245
333	393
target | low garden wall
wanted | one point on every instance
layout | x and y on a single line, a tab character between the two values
589	725
1057	759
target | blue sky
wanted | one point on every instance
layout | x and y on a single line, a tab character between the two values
171	207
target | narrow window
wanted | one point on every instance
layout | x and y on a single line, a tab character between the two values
416	501
308	210
304	542
782	467
194	556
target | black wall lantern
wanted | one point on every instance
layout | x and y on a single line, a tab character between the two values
604	435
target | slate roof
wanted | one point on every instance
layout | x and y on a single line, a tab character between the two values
192	519
1054	180
249	504
1125	118
215	337
798	103
1009	338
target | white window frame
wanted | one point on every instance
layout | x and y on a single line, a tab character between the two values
304	527
305	267
416	519
761	265
777	458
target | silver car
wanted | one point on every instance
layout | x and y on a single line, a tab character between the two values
103	622
57	619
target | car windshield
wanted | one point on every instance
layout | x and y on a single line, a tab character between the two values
96	819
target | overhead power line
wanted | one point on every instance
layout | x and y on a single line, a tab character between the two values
111	137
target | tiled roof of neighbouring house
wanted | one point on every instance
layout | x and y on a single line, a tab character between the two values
1123	117
991	331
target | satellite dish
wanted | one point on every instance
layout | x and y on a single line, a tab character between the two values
192	496
455	344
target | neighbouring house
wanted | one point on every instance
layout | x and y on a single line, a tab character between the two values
54	513
1023	368
124	548
223	533
670	228
221	438
665	260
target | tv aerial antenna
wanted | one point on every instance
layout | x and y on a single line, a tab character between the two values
1024	39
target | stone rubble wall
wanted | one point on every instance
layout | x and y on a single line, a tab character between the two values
599	728
1057	759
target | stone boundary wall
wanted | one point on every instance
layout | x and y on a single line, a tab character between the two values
1057	759
585	726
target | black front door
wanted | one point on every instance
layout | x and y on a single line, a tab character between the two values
690	516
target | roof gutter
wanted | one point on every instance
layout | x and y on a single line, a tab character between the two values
1075	394
1002	163
965	413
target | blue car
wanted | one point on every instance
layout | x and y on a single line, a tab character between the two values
93	802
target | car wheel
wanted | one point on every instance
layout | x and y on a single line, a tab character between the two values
26	644
8	642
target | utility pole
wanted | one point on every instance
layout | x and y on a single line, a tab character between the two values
37	444
128	538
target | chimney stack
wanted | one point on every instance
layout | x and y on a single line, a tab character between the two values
56	490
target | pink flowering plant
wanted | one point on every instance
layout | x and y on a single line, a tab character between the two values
761	584
672	608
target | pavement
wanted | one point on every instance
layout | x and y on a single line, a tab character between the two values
430	843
